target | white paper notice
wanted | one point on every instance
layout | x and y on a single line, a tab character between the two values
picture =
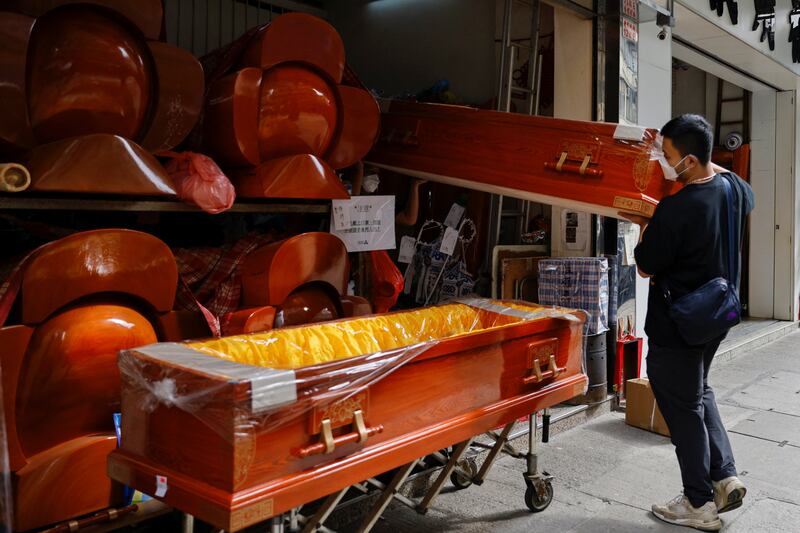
449	241
454	216
631	240
161	486
407	247
368	222
340	216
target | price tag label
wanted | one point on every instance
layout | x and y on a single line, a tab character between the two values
407	247
454	216
161	486
449	241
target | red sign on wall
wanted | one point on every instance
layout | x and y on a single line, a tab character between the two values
631	8
630	30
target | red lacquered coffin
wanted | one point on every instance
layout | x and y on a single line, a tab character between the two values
239	429
588	166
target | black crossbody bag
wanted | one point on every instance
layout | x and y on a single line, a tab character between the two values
711	310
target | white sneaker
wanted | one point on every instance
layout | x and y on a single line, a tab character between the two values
680	512
728	494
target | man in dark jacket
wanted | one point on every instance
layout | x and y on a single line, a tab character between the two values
682	247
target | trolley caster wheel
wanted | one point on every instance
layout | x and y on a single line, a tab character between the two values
537	502
461	481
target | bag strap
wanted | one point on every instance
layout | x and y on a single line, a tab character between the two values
733	274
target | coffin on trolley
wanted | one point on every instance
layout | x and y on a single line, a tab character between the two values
588	166
239	429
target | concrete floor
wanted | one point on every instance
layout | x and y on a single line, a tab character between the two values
607	474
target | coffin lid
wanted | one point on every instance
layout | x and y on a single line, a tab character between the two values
100	261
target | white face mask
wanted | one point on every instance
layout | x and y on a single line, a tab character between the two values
658	153
669	171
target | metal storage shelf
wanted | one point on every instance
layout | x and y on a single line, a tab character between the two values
16	202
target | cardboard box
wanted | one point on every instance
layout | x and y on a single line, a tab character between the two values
641	410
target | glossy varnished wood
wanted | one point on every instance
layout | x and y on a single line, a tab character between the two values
146	15
69	381
81	164
95	262
271	273
15	128
179	99
360	123
230	125
294	177
298	38
458	388
88	74
65	482
82	299
515	154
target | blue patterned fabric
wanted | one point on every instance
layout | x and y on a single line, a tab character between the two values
577	283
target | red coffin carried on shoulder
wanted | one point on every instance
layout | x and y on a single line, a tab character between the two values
588	166
238	429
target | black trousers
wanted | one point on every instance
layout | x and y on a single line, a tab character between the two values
679	378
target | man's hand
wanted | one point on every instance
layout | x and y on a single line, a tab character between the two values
641	220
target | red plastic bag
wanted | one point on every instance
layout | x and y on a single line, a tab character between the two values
199	181
387	281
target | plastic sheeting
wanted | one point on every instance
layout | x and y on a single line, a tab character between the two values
286	373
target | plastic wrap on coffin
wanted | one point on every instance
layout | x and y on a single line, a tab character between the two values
360	122
146	15
15	127
259	443
298	38
575	164
298	176
97	163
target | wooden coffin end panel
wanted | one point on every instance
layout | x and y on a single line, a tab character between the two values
271	273
182	325
200	402
108	260
360	123
84	165
179	99
65	482
354	306
301	38
295	177
15	128
250	320
146	15
14	340
69	380
88	72
230	124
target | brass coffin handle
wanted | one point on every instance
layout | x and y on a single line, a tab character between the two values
582	169
538	375
328	442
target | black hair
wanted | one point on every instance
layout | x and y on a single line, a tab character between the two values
691	135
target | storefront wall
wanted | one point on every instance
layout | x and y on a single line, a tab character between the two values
734	53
